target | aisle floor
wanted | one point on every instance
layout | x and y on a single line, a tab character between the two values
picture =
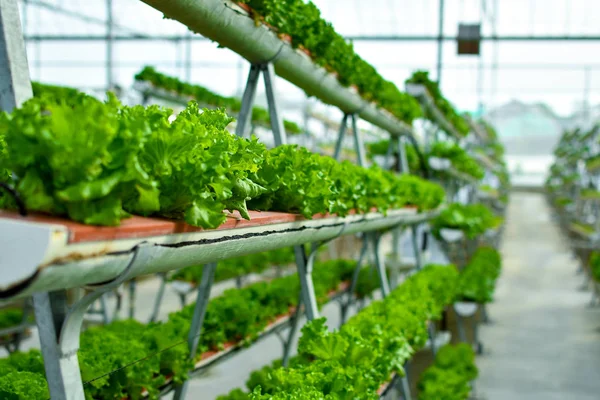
544	339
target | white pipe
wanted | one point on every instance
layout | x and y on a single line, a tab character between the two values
226	23
52	263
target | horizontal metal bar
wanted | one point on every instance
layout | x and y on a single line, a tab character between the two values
359	38
497	38
80	16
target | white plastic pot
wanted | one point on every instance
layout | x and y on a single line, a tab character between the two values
465	308
451	235
490	233
439	164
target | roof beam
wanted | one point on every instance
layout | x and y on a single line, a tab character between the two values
361	38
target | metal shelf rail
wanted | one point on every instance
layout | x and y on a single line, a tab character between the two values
62	254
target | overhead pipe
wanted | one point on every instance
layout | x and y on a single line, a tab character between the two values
226	23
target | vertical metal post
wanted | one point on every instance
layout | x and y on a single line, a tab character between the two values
179	61
397	255
132	287
104	309
305	120
59	329
346	305
202	299
276	121
15	84
182	299
25	18
109	45
49	323
414	230
440	42
480	74
304	265
159	296
403	384
431	333
485	318
287	344
245	114
358	143
478	344
587	78
383	280
403	162
495	49
188	57
340	140
480	85
460	324
240	77
389	154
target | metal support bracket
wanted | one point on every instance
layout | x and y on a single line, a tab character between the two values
397	146
59	328
431	334
403	386
287	342
359	146
304	264
132	290
414	230
245	116
375	239
15	84
347	303
159	296
202	300
404	167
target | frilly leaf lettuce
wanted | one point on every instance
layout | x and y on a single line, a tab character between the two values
76	158
478	278
472	219
460	159
98	163
450	376
353	362
300	181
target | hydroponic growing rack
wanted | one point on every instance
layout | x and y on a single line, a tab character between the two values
54	254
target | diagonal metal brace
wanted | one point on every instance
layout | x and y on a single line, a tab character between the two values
345	306
202	300
359	146
244	119
375	240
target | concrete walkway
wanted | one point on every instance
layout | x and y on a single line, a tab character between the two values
544	340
